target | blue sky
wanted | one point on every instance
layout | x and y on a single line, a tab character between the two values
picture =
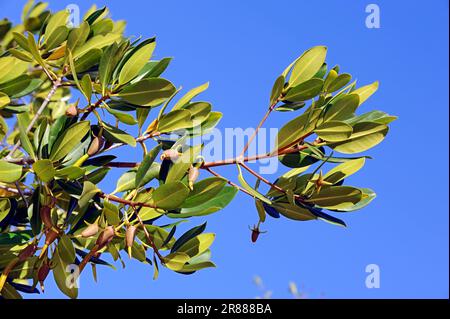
241	47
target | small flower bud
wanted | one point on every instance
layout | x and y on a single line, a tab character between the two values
129	238
255	235
43	273
72	110
96	145
194	172
105	236
89	231
170	154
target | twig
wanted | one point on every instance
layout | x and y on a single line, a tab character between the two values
150	240
94	106
252	137
47	99
125	201
228	181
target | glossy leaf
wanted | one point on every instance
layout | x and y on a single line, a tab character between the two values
44	170
307	65
170	195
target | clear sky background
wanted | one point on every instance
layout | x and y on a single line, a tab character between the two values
241	47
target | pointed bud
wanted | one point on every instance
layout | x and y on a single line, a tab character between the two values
255	235
105	236
72	110
192	176
43	273
129	238
46	217
170	154
89	231
96	145
27	252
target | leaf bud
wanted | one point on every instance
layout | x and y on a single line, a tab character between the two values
105	236
43	273
193	174
129	238
72	110
170	154
96	145
89	231
46	217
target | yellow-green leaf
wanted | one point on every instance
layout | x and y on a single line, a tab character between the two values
9	172
307	65
44	170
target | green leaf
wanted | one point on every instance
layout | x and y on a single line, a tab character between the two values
69	139
57	20
297	128
89	60
34	50
307	65
342	171
70	172
199	112
197	245
153	69
334	131
111	213
5	207
11	68
197	266
175	120
190	95
277	89
170	195
204	191
250	189
191	233
44	170
294	212
56	38
182	164
66	250
89	191
342	109
218	202
147	92
108	63
136	62
146	164
175	261
86	87
116	135
122	117
78	36
126	182
304	91
366	91
339	82
374	117
65	280
96	42
9	173
368	196
4	100
336	197
24	140
365	136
